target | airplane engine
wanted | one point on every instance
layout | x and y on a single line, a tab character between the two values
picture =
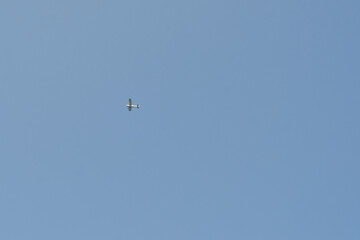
138	106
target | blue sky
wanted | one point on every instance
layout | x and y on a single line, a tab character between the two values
248	127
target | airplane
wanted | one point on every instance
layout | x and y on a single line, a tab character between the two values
130	106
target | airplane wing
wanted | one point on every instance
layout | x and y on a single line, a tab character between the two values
129	101
129	108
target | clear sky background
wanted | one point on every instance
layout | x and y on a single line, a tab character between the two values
248	127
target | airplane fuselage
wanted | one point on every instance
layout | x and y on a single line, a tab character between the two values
132	106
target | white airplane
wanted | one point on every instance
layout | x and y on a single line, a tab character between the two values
130	106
